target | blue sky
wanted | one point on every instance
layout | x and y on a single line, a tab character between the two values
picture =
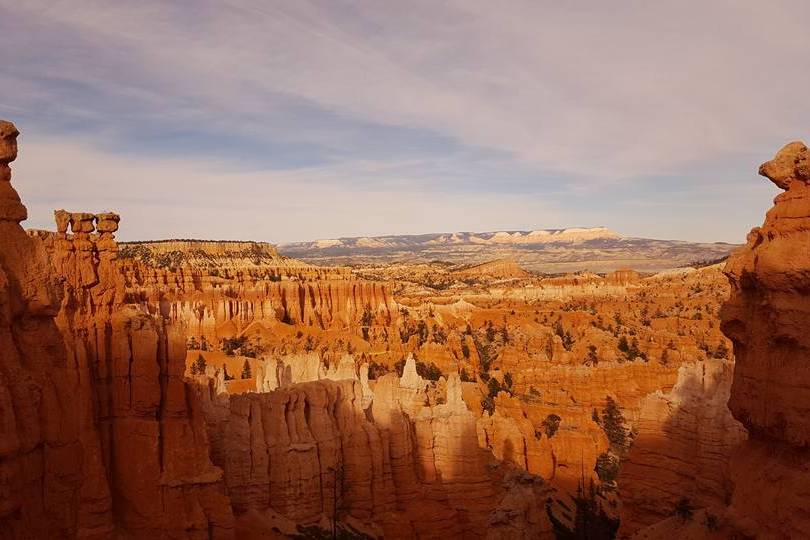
285	121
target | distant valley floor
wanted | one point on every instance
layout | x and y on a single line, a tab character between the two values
596	255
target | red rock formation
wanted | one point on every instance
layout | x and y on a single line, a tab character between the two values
766	318
11	208
683	447
40	450
217	291
408	466
98	434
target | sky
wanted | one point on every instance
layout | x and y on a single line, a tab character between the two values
297	120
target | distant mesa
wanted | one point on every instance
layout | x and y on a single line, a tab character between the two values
543	236
548	251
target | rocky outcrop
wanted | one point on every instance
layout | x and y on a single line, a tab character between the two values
11	208
40	475
216	303
406	466
682	449
766	318
98	430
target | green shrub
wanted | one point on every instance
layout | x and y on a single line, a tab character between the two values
549	426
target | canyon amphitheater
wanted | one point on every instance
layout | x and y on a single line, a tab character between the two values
199	389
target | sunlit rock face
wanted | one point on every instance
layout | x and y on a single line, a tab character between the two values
219	289
766	318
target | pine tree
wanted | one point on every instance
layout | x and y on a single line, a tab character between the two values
246	373
198	367
613	424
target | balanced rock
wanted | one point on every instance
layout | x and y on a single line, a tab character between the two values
790	164
11	208
766	319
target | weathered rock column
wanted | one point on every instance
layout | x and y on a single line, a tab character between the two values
11	208
767	319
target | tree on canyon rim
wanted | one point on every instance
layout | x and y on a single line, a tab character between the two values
338	475
246	373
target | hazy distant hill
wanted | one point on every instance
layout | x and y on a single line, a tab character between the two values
552	251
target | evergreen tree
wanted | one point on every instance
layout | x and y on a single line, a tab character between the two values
591	522
246	373
623	345
613	424
684	509
550	425
198	367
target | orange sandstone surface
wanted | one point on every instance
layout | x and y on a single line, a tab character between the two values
766	318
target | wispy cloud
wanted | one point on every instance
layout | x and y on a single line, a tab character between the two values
178	198
420	107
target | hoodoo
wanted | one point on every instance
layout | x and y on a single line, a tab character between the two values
98	436
766	318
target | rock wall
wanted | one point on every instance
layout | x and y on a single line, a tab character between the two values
214	304
98	432
40	475
683	447
407	466
766	318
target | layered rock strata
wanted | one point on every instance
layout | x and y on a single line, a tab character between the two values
214	304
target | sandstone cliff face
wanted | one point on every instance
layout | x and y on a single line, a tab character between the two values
766	318
407	466
223	302
97	433
39	440
404	460
683	447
